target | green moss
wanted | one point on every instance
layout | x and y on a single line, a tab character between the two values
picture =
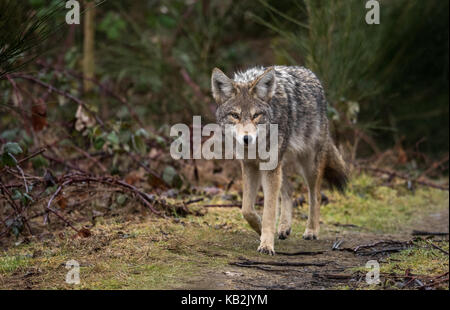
9	264
382	208
422	259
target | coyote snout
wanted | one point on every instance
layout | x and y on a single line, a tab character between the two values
246	134
293	99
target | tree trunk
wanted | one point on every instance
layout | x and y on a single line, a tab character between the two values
88	46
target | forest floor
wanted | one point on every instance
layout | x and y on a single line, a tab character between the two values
216	249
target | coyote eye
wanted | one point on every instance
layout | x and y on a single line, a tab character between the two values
256	115
234	115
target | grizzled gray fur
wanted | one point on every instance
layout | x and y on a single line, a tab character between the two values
293	98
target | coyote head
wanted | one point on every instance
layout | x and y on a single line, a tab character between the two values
243	105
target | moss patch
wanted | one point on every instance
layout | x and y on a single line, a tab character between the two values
10	264
379	208
422	261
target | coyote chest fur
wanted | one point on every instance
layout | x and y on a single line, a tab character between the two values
293	99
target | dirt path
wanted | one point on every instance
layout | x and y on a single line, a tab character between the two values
336	263
140	251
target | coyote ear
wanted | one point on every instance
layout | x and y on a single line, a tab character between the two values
265	84
221	86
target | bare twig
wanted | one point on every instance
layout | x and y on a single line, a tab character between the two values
404	177
52	88
428	233
308	253
277	263
433	167
49	208
438	247
28	157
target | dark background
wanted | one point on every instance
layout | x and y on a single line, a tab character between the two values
387	84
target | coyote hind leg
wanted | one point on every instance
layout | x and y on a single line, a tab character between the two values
284	225
313	177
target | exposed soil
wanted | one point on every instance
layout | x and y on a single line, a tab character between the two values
217	249
334	273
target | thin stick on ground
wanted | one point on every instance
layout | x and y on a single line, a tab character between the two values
277	263
28	157
301	253
438	247
404	177
428	233
49	208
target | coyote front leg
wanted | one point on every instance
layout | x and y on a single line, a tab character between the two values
271	182
251	179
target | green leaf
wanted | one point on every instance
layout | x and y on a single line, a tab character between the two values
26	199
121	199
39	162
167	21
142	133
113	25
98	143
16	195
8	160
9	134
16	226
160	140
139	145
113	138
171	177
13	148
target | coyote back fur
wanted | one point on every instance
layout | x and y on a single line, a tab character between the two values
293	98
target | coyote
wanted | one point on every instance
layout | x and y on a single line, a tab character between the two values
293	98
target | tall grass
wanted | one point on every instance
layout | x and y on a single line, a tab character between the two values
22	30
380	72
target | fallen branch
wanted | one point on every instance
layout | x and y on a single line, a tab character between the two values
67	180
364	250
231	205
301	253
50	209
345	225
333	276
27	158
276	263
51	88
393	174
438	248
193	201
428	233
64	163
422	281
434	166
256	267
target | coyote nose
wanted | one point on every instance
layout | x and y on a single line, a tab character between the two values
247	139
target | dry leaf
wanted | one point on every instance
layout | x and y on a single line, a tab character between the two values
84	120
84	233
39	115
62	202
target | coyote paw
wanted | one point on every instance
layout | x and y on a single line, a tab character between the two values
310	234
266	249
283	232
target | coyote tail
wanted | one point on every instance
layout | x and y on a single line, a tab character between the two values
335	171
